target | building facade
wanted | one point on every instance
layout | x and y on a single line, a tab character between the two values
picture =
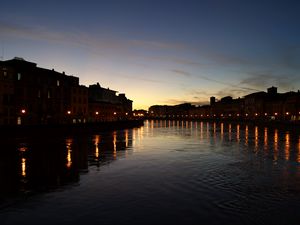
31	95
264	106
106	105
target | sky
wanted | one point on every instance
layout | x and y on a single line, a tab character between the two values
163	52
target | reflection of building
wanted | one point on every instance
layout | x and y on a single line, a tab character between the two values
33	95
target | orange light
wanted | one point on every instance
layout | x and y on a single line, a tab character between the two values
69	112
256	114
23	111
276	114
97	113
115	113
287	113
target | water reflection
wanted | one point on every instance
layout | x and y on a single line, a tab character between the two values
69	151
34	165
237	173
298	155
261	140
256	138
287	146
238	133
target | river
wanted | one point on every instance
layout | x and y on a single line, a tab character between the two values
165	172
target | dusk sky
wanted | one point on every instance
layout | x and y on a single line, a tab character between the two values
160	52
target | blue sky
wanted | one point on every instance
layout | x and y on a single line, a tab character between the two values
160	52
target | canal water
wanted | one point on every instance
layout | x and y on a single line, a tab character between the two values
166	172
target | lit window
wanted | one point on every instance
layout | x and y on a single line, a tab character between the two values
5	73
57	83
19	120
49	95
19	76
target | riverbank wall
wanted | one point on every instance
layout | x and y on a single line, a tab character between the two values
67	129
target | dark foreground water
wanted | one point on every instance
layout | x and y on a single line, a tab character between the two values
167	172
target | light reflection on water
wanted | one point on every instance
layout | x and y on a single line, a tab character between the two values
177	172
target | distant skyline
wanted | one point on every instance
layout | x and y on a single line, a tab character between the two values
160	52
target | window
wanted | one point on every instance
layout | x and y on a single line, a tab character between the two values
19	76
57	83
19	120
49	95
4	73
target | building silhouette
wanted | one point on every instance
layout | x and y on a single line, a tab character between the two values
33	95
264	106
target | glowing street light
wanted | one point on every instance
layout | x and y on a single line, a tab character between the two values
23	111
97	113
68	112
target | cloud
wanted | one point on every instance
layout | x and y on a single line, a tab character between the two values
226	59
144	79
181	72
235	93
290	57
95	43
179	101
265	79
156	44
